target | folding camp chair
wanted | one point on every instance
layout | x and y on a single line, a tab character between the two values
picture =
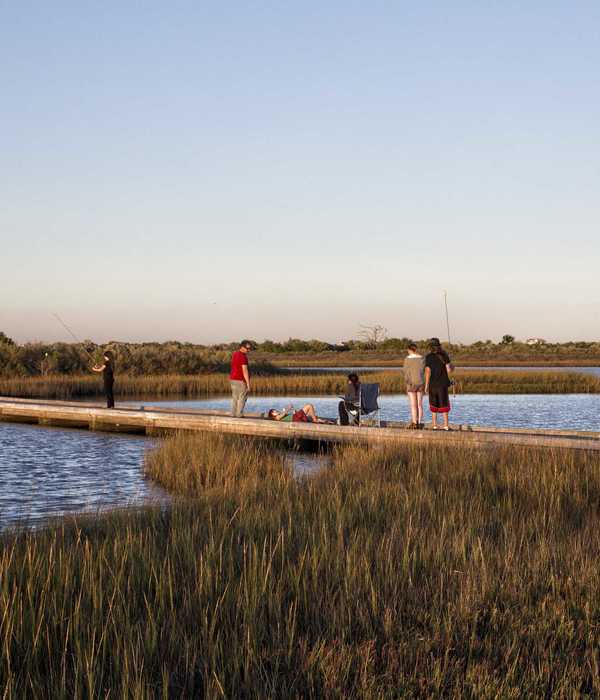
367	403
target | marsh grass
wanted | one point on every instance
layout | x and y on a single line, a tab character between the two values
398	572
491	358
64	387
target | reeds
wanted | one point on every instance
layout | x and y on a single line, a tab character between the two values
64	387
398	572
524	382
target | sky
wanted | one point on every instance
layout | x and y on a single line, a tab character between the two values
206	171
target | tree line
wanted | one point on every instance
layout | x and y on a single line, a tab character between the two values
174	357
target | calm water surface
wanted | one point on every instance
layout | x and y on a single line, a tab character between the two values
572	411
53	471
48	472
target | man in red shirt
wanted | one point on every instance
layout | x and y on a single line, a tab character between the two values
239	378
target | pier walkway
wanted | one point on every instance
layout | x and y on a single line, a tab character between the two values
153	420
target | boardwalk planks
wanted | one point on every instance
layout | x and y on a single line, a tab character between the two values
152	420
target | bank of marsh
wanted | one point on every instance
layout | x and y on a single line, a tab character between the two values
291	383
396	572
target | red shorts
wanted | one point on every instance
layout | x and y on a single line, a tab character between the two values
300	417
439	400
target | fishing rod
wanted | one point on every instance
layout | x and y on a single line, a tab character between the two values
447	319
448	332
75	338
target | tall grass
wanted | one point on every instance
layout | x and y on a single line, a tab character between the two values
200	386
398	572
492	356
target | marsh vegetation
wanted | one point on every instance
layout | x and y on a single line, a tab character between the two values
291	383
397	572
182	358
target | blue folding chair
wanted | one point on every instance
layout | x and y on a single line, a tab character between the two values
367	404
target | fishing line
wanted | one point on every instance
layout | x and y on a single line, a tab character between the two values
70	332
447	319
449	340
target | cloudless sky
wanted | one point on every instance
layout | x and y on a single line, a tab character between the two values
209	171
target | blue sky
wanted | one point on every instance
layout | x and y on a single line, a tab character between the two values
205	172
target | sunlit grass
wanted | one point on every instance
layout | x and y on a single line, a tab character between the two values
290	384
397	572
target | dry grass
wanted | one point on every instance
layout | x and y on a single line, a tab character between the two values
399	572
291	384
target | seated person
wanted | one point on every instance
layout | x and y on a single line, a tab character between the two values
351	398
306	414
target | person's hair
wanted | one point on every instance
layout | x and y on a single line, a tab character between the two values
353	377
412	346
271	414
246	344
108	353
435	345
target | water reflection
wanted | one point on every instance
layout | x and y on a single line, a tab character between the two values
569	411
52	471
48	472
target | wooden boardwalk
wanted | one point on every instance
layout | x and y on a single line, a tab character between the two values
153	420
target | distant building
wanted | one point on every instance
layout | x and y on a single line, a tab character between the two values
535	341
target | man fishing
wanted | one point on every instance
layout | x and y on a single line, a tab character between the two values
108	377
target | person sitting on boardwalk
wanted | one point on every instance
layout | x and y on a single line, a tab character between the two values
108	377
437	382
239	378
351	398
414	378
306	414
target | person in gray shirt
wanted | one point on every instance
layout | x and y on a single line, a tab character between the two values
414	378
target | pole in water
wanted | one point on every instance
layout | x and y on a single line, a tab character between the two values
447	321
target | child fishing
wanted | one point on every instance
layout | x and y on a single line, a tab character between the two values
108	377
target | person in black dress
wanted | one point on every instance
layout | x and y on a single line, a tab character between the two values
108	377
437	381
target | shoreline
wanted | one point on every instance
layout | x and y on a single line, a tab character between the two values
480	381
459	362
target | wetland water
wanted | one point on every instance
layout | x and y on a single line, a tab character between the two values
570	411
46	472
52	471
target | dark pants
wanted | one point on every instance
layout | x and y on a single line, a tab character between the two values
343	408
108	390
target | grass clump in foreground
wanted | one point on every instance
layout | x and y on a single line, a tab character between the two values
398	572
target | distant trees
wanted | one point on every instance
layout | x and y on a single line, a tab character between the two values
372	336
294	345
174	357
395	344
